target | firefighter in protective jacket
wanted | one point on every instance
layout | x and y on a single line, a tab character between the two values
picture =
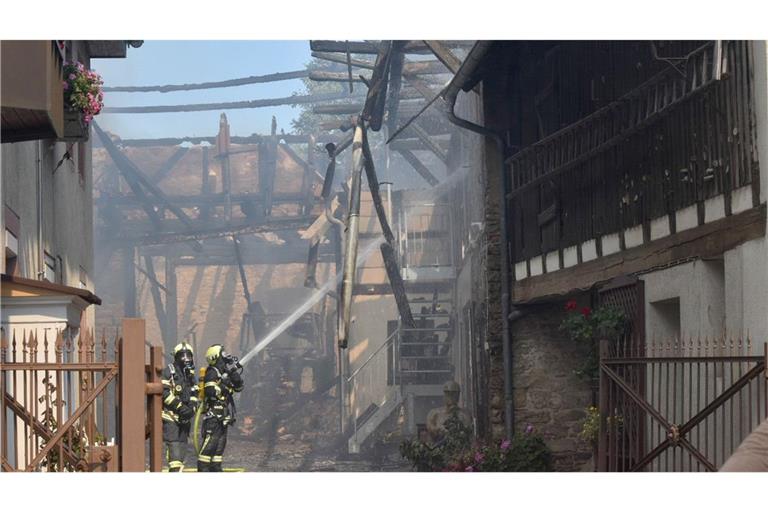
222	379
179	404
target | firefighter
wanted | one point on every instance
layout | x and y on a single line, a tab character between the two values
222	379
179	404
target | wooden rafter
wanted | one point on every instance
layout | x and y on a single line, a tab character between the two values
444	55
420	168
128	168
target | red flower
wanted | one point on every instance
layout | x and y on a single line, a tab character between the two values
570	305
586	311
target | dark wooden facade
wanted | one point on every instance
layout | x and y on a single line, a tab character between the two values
604	136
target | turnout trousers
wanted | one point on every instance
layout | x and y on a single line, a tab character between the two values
214	441
175	437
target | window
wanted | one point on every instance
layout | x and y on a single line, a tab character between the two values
665	319
49	270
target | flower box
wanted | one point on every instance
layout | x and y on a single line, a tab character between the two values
75	127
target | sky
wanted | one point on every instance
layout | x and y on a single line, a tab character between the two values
182	62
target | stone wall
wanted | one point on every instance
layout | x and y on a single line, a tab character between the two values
548	394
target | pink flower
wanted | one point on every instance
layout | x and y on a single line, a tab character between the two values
529	429
505	444
65	85
570	305
72	76
479	457
469	469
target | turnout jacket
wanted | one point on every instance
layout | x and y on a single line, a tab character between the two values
178	390
219	389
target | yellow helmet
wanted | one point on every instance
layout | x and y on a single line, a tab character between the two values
182	346
213	354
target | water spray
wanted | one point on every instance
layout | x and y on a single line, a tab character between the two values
313	299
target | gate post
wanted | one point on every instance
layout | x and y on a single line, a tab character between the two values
603	406
132	392
154	390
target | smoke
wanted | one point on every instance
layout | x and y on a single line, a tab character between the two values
313	299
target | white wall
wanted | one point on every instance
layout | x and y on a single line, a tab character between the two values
700	288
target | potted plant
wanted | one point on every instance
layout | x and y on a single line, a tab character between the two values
83	99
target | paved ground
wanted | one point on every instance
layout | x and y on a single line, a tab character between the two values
290	455
299	437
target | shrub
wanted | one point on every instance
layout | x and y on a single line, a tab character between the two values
524	452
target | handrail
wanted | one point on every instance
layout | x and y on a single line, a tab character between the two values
365	363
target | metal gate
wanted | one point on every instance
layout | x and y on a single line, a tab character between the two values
678	405
74	403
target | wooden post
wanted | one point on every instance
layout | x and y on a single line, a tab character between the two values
222	145
155	394
131	443
206	187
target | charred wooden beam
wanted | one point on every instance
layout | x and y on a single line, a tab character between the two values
373	185
395	83
444	55
426	139
273	77
222	147
330	76
268	169
278	255
396	283
198	107
342	46
375	101
211	140
128	168
310	175
406	108
332	57
412	144
274	224
368	48
424	67
203	200
206	187
420	168
137	182
310	279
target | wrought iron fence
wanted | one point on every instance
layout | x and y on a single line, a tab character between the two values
75	402
58	395
679	405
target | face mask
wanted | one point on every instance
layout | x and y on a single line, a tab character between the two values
185	361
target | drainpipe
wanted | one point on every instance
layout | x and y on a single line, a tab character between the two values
468	67
40	246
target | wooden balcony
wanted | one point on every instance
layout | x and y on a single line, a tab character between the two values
32	94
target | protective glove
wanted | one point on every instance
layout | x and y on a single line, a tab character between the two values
185	412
